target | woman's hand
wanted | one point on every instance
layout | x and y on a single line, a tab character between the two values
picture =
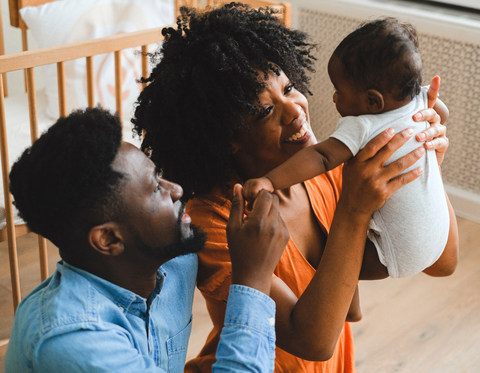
367	183
435	136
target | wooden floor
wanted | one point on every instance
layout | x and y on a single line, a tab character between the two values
414	325
422	324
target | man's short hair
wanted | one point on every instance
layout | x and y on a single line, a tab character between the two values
64	184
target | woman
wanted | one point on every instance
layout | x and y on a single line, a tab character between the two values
226	103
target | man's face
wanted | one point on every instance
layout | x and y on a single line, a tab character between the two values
156	226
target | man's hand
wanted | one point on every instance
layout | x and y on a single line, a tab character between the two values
256	243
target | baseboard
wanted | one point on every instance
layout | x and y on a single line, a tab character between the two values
465	204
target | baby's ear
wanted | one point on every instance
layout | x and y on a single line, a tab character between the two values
375	101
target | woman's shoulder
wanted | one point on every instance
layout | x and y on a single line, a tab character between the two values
329	180
324	192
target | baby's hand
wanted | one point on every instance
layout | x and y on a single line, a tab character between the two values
253	186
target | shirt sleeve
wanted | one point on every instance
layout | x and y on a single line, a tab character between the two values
353	132
247	342
92	351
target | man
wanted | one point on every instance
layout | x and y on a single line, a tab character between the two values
121	297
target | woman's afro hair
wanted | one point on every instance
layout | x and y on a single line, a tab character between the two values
205	82
64	183
383	54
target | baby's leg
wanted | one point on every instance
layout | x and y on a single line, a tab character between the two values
354	312
372	268
445	265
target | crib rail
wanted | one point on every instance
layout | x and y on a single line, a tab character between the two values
58	55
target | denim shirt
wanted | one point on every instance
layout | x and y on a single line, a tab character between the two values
77	322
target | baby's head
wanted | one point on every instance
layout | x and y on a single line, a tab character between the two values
379	61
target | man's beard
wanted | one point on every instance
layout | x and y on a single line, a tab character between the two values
185	245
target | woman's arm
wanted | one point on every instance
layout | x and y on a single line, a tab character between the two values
309	326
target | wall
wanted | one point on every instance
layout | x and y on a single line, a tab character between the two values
13	44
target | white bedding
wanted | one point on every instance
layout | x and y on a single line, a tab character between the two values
18	134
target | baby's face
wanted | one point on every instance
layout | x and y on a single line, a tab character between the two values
349	100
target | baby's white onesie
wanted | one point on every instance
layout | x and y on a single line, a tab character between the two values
411	230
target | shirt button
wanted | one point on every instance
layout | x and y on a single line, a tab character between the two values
120	308
271	321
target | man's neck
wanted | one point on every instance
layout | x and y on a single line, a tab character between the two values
139	278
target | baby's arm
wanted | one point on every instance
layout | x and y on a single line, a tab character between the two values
304	165
310	162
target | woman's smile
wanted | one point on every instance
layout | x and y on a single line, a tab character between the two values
303	134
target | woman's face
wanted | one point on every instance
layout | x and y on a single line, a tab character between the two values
279	130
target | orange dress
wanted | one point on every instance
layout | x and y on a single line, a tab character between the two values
211	212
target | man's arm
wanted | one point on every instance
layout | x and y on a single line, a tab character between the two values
247	342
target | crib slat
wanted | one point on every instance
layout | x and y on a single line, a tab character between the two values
90	82
32	103
2	52
118	83
32	108
12	244
62	100
25	48
144	64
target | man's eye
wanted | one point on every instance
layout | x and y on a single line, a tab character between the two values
158	176
289	88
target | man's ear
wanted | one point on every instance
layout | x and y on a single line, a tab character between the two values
106	239
375	101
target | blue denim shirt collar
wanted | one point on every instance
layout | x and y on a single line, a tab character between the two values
126	300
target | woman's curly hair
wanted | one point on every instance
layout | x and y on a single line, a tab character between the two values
204	84
64	183
383	54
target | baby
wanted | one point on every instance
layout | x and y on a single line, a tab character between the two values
377	75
